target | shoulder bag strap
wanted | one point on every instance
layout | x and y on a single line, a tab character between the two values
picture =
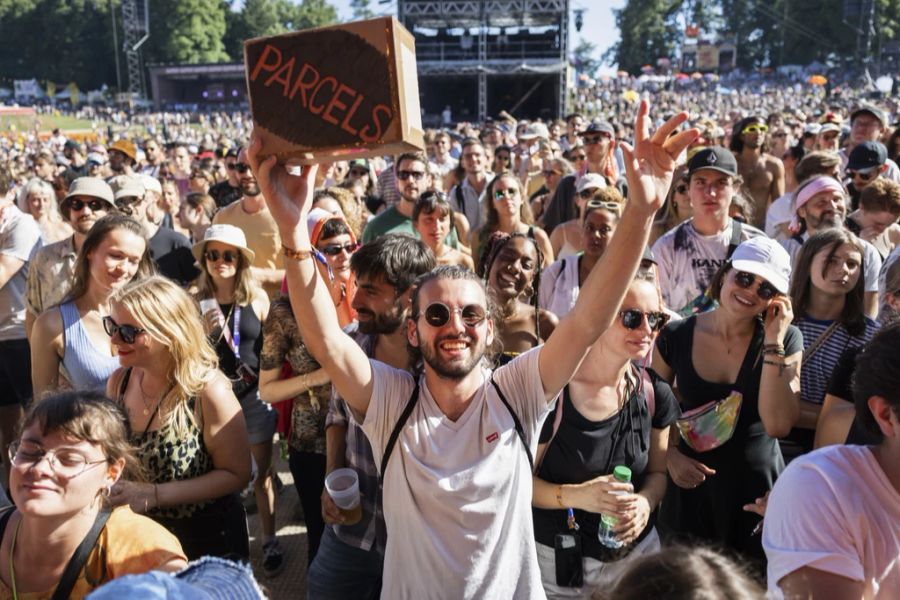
649	393
4	519
819	342
392	440
735	238
557	421
461	199
518	424
78	560
123	386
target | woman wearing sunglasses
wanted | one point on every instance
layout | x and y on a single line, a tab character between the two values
554	170
608	419
234	308
678	209
563	279
508	212
73	448
71	335
738	373
827	290
567	238
332	237
186	423
512	271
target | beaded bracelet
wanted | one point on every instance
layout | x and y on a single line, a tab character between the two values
295	254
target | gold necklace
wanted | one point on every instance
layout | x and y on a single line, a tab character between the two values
144	396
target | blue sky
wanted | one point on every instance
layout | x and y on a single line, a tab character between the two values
599	23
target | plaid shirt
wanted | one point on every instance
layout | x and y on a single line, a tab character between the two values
370	531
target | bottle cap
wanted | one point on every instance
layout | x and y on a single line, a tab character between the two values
622	473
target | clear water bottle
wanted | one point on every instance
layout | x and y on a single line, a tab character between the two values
605	532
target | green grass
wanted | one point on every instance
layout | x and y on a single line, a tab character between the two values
48	123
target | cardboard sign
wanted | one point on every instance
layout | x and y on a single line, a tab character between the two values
348	91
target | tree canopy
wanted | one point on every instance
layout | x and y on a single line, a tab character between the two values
72	40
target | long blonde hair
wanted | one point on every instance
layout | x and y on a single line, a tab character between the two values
171	317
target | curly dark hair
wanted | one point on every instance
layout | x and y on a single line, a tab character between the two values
495	244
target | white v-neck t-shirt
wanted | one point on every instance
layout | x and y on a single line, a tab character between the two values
457	494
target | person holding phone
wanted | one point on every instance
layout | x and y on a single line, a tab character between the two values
738	373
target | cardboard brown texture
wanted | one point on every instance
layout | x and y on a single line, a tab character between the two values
348	91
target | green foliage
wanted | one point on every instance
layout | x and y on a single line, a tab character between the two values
649	30
361	9
584	57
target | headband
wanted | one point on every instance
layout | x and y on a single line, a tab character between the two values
816	186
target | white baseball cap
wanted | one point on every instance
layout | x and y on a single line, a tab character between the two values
766	258
588	181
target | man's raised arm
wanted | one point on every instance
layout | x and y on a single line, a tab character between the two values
289	198
649	167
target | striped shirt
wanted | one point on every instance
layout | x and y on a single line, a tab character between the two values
816	372
370	530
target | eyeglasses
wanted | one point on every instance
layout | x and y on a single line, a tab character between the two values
863	175
227	255
95	205
414	175
578	157
756	128
634	318
128	333
241	167
65	463
596	139
765	291
779	134
438	314
500	194
337	249
358	172
230	166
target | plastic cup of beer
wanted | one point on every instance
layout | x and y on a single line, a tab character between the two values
343	487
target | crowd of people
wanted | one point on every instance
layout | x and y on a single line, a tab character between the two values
644	353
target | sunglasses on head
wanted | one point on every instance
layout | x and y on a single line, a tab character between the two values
603	205
438	314
634	318
94	204
765	291
756	128
861	175
414	175
337	249
227	255
128	333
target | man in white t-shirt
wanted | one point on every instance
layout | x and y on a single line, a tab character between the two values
846	542
457	490
689	255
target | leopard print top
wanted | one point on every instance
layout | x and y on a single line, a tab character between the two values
166	457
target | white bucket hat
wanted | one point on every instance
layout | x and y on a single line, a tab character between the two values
226	234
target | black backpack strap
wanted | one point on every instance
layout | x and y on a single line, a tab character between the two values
78	560
518	424
4	519
461	199
392	440
735	238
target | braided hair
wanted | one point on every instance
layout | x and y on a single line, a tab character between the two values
496	242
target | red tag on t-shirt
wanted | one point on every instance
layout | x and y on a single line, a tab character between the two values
492	438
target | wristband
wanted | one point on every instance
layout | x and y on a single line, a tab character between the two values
296	254
559	496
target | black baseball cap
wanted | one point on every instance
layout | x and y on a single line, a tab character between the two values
866	156
715	158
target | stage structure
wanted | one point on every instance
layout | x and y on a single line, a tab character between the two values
479	57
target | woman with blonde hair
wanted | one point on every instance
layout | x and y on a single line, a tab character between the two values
38	199
71	335
234	308
508	212
61	504
186	423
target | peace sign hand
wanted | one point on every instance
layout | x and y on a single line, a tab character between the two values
649	165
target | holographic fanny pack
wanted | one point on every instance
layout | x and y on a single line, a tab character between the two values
709	426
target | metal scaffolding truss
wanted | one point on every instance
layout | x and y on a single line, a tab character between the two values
136	23
472	13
